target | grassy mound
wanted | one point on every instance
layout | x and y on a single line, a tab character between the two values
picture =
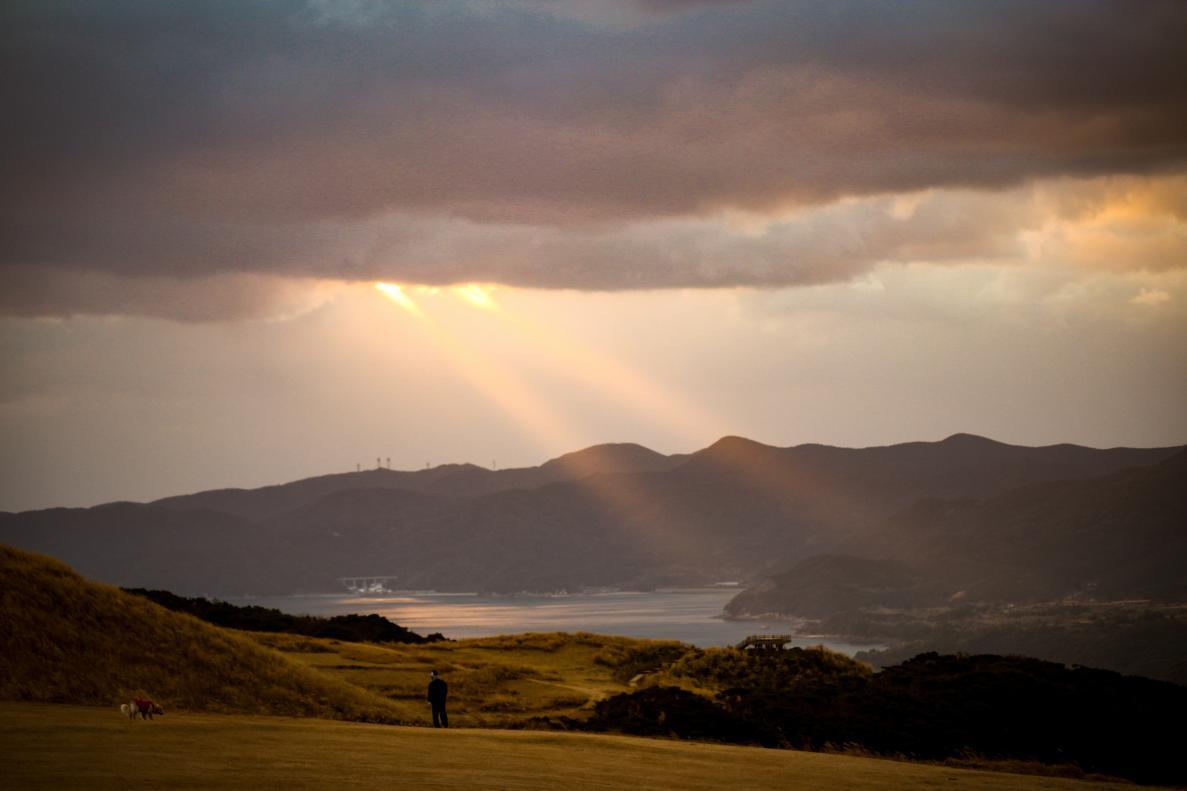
68	640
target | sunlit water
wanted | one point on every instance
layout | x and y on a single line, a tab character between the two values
691	616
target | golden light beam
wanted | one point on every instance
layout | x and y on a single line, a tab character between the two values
510	394
577	360
605	373
630	504
395	293
627	502
477	295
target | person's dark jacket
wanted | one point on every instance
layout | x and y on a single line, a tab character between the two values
437	691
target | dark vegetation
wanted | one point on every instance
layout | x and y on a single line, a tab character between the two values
354	628
933	707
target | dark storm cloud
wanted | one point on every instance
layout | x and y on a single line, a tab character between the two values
184	139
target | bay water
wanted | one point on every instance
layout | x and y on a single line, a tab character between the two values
688	615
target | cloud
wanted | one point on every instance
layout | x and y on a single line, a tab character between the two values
1151	297
1070	225
509	142
29	292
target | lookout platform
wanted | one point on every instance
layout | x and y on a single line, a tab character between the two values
764	642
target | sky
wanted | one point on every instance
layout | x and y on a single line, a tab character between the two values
246	242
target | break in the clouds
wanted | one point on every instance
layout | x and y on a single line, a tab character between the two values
616	145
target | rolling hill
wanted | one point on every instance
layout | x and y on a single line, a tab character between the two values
66	639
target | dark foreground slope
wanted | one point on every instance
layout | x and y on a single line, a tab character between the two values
66	639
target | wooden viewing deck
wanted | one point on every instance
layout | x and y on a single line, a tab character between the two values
764	642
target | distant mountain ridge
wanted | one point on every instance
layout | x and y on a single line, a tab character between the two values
611	515
461	480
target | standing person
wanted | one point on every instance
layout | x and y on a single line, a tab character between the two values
438	689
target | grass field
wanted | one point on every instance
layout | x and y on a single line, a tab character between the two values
55	746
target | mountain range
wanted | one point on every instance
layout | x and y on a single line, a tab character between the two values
624	516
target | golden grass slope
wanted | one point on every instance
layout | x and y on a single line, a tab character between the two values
56	747
66	639
493	681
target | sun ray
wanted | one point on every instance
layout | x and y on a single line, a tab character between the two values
509	393
395	293
626	501
477	295
624	384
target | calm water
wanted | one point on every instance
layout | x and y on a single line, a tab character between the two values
690	616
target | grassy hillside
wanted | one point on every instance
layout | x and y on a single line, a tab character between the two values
505	681
66	639
54	747
69	640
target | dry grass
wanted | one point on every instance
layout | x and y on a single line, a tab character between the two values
70	640
56	747
66	639
493	681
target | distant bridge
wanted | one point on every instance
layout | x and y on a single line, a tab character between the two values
368	584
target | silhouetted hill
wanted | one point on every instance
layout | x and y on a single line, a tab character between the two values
452	480
1121	535
859	483
608	459
612	515
147	546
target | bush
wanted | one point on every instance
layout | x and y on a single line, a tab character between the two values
931	707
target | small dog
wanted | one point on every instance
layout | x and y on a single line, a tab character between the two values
145	708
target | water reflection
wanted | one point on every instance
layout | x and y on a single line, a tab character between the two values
690	616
